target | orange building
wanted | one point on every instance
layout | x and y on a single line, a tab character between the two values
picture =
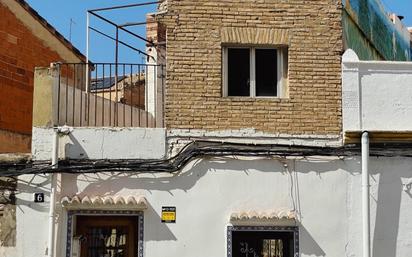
26	41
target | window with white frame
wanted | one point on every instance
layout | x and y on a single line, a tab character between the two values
255	71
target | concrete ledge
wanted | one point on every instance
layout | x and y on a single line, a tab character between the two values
101	143
253	136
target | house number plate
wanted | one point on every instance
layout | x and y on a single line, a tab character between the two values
39	197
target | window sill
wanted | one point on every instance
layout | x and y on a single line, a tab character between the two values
255	99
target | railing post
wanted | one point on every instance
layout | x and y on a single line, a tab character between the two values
87	52
162	103
57	122
116	78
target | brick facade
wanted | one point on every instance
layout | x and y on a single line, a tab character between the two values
196	32
20	52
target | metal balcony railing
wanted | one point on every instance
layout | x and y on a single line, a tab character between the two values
110	95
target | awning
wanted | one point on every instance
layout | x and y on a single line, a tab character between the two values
105	202
263	217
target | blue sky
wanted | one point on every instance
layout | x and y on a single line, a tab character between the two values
400	7
59	12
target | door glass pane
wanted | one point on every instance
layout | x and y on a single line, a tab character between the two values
107	236
238	71
266	72
272	248
106	241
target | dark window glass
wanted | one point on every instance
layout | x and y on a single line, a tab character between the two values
238	71
266	72
262	244
108	236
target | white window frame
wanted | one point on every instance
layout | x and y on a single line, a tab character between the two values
282	70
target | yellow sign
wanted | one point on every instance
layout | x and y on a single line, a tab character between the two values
169	214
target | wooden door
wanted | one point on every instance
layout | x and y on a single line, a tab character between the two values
107	236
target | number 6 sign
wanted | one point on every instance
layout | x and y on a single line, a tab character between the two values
39	197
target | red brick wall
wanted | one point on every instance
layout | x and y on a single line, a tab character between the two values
20	53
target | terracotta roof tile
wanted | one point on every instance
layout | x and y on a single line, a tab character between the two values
263	216
97	202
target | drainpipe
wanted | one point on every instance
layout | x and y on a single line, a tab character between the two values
54	162
365	194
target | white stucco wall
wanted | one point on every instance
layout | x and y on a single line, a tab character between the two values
325	192
377	96
31	218
101	143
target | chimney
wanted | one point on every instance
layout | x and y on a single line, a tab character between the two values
155	31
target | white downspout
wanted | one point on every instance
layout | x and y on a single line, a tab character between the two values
365	195
54	162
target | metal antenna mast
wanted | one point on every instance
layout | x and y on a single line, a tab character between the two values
70	33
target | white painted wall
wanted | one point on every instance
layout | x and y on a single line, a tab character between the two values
377	96
31	218
101	143
326	193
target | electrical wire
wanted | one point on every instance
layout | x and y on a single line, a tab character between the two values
171	165
197	149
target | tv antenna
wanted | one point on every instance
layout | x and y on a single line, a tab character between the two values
70	33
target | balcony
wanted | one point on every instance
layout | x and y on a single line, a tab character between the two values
108	111
377	97
122	95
